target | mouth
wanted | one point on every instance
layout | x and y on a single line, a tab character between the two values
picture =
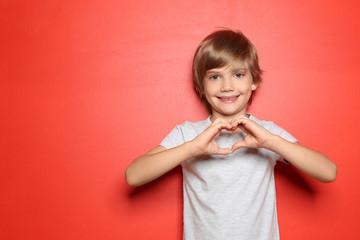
228	99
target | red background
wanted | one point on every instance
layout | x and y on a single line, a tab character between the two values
86	86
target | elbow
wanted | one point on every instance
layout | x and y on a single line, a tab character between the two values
131	179
331	174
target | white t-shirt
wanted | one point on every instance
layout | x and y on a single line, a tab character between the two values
232	196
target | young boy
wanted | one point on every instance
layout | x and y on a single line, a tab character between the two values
228	159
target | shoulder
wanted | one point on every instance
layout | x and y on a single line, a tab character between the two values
199	125
274	129
184	132
268	125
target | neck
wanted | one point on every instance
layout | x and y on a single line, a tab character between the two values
228	118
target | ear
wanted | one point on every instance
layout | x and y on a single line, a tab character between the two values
254	86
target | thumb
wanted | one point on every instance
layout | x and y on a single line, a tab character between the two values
238	145
224	151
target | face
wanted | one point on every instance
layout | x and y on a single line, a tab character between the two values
228	90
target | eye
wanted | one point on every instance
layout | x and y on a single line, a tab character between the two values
214	77
239	75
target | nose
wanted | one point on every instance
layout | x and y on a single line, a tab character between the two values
227	85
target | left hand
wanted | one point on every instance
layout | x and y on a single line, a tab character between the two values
256	135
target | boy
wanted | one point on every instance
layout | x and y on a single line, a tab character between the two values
228	159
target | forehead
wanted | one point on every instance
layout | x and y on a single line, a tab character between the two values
233	66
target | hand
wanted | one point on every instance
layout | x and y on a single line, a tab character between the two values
206	141
256	135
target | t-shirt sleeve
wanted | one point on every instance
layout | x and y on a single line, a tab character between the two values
275	129
284	134
173	139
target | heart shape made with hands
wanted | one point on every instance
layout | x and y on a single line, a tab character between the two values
254	134
236	129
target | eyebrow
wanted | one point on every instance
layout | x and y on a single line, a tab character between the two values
233	70
211	72
240	69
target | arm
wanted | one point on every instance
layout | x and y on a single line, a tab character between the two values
156	163
161	160
313	163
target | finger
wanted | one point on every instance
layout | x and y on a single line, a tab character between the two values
215	136
222	125
242	128
238	118
224	151
237	123
214	131
238	126
245	124
238	145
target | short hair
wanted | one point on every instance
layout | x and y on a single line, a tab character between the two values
222	48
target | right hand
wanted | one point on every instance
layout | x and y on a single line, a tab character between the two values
206	142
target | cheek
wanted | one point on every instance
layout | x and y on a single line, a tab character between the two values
208	94
248	85
209	89
245	88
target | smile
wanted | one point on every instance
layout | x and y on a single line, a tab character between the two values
228	99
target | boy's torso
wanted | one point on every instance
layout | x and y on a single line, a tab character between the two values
231	196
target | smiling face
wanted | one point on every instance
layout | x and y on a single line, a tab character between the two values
228	90
228	58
